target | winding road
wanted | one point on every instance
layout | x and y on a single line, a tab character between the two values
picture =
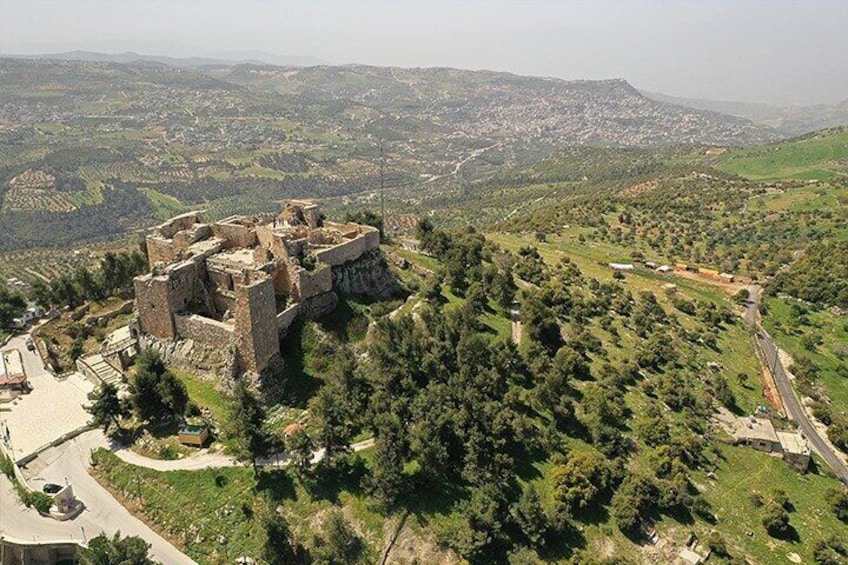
793	406
102	512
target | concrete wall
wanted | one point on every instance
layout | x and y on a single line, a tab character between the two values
205	330
287	317
352	250
21	552
257	340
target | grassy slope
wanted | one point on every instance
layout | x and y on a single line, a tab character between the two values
814	157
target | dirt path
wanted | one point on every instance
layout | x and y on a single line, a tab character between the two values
515	316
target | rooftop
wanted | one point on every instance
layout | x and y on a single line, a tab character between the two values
756	428
793	443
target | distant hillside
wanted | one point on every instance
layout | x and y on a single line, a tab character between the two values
788	120
104	148
550	111
224	58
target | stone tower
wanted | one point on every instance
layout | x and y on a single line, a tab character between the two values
257	340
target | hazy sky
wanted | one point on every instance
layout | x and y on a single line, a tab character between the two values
756	50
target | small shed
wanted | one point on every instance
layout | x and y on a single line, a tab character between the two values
621	266
194	435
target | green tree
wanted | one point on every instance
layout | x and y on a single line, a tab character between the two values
530	517
776	521
580	482
277	546
335	429
723	392
116	550
301	447
87	284
11	305
338	543
106	407
838	500
245	425
155	392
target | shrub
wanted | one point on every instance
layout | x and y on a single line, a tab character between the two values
776	521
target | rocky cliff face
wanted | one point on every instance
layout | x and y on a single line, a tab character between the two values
194	356
369	276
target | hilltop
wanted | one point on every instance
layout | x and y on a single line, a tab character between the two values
484	103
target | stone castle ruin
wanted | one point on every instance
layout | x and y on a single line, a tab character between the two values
236	285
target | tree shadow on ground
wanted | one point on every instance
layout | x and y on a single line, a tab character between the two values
277	483
298	385
328	481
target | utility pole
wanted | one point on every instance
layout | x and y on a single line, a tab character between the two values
382	187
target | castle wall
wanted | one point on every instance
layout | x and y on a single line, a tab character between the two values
313	283
191	235
223	302
257	340
151	297
183	283
351	250
160	250
235	235
287	317
204	330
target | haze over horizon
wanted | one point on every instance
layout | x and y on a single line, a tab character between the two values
780	52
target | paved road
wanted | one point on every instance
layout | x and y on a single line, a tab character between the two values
102	513
33	365
793	406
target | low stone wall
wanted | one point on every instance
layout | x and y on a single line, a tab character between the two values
87	372
205	330
351	250
287	317
235	235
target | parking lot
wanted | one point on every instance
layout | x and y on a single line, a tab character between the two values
53	408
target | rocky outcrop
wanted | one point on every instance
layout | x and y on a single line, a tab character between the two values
194	356
317	306
368	276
